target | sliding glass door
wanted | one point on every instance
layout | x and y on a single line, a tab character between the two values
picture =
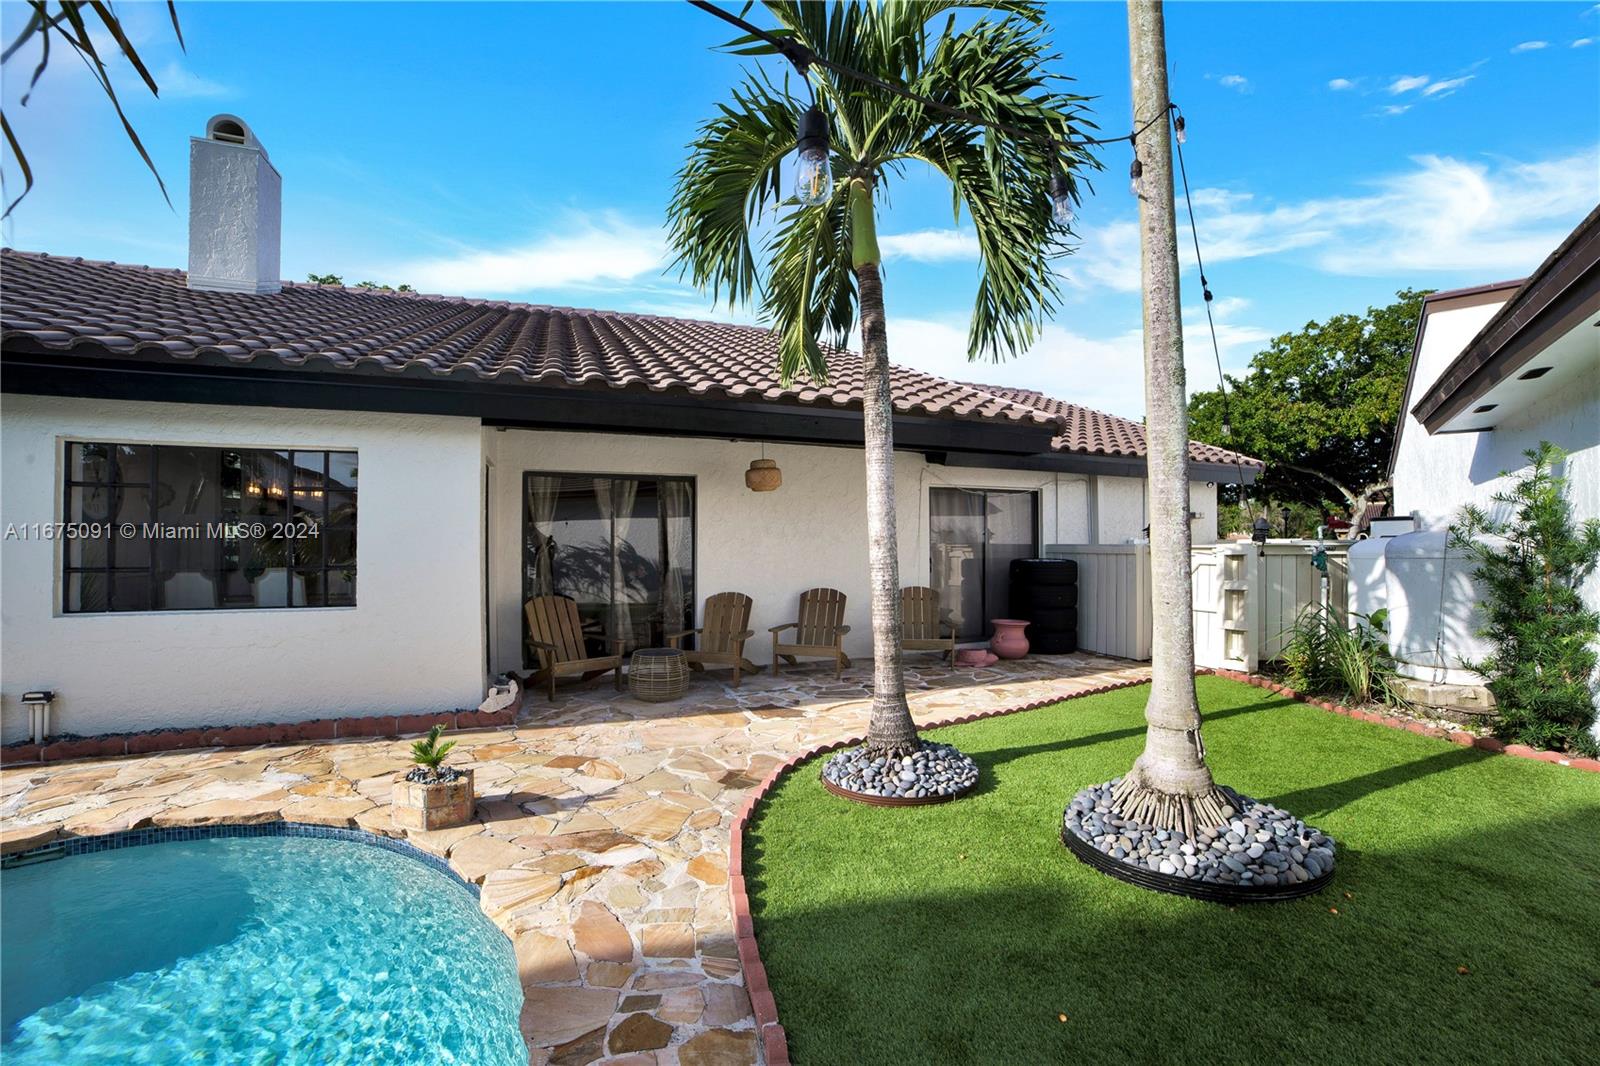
621	546
974	534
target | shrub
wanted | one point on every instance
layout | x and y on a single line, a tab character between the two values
1543	664
429	753
1324	656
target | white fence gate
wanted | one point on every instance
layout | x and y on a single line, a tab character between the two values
1246	597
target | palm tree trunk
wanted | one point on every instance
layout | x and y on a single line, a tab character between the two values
1169	785
890	729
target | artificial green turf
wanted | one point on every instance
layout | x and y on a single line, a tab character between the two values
960	933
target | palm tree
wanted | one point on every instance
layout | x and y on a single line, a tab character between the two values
809	266
1169	784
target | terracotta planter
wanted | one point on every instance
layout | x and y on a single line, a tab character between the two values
427	805
1008	641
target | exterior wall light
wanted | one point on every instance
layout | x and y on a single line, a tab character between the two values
38	704
763	475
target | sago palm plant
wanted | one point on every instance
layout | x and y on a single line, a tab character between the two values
428	753
809	262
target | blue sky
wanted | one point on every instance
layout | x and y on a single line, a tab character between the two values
527	151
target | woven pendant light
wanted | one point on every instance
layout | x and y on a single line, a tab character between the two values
763	475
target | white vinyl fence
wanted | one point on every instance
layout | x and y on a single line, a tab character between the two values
1246	597
1113	597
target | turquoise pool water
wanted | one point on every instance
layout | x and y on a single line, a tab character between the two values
281	950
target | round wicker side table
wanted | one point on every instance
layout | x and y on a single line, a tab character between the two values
658	675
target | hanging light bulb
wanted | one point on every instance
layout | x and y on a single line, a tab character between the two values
1178	124
813	177
1061	198
1135	172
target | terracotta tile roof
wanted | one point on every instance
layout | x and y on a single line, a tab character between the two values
98	309
1097	433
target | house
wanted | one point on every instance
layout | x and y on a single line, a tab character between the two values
1497	369
287	501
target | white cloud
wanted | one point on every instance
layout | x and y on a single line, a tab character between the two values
1340	84
1530	46
592	251
178	83
1443	215
1394	109
1446	86
1406	82
1583	42
1234	81
1108	257
930	245
1456	216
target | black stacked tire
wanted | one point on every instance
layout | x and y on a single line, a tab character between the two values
1045	593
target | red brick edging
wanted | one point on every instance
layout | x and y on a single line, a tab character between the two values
774	1041
1410	725
249	736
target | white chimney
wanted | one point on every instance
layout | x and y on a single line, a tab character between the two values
235	210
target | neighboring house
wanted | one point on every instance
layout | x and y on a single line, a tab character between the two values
417	466
1497	369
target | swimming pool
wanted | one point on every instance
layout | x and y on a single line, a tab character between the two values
265	949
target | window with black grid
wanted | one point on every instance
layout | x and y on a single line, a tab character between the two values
195	528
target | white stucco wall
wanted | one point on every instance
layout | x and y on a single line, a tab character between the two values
1123	510
413	643
772	546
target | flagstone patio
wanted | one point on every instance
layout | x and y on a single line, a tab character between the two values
601	839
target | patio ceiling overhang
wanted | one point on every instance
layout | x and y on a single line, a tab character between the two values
1544	341
31	368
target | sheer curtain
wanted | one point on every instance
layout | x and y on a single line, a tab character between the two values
542	495
677	515
956	536
614	497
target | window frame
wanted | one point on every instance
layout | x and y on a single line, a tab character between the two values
65	570
693	481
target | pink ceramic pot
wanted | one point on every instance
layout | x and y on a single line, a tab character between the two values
975	657
1008	641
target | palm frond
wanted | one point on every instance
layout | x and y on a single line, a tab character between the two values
801	275
69	23
812	290
732	176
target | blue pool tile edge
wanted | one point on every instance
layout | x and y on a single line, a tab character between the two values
132	838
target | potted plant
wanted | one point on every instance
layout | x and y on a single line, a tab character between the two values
431	795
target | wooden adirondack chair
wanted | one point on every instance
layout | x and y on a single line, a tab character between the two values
556	635
819	632
921	623
721	640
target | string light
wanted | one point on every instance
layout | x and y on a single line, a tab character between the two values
1061	197
1135	173
1178	126
813	177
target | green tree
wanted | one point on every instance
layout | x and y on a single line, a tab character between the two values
1532	566
809	268
338	279
1320	407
